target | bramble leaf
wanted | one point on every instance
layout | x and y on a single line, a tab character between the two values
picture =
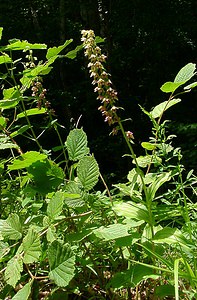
31	246
11	227
76	144
13	270
88	172
62	263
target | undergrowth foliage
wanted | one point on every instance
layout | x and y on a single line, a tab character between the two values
61	238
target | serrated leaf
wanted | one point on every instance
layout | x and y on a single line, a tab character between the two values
31	246
77	144
11	227
32	112
13	270
62	263
88	172
24	293
51	234
54	208
112	232
56	50
160	108
186	73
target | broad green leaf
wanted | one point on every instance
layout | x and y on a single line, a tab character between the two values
73	53
11	227
156	184
144	161
8	146
26	160
5	59
76	144
7	104
88	172
11	93
21	130
24	45
160	108
186	73
24	293
13	270
31	246
112	232
62	263
54	208
46	174
51	234
32	112
163	291
170	87
132	210
56	50
148	146
1	30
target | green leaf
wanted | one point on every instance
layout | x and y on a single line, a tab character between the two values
156	184
31	246
1	30
54	208
11	227
170	87
88	172
132	210
112	232
26	160
190	86
56	50
24	293
7	104
186	73
24	45
148	146
32	112
51	234
160	108
73	53
3	122
62	263
5	59
13	270
21	130
77	144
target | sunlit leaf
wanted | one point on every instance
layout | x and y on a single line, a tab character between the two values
160	108
26	160
76	144
31	246
32	112
170	87
73	53
54	208
132	210
24	293
62	263
24	45
112	232
156	184
11	227
1	30
13	270
5	59
186	73
21	130
148	146
56	50
88	172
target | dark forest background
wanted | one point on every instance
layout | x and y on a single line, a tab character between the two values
147	42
